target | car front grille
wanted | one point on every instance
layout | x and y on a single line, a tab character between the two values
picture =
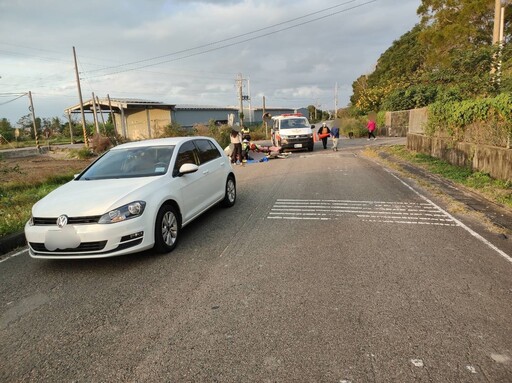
89	248
299	137
84	247
47	221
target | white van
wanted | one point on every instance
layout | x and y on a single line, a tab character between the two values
292	131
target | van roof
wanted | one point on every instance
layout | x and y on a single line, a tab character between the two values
288	115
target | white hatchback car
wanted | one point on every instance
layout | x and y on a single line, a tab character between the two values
134	197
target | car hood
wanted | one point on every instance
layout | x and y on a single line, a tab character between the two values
295	131
95	197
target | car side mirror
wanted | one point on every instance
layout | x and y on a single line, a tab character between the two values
187	169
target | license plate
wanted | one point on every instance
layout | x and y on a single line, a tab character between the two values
297	146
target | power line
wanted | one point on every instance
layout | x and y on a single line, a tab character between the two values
14	99
223	40
232	38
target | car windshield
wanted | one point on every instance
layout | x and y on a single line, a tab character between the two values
131	162
294	123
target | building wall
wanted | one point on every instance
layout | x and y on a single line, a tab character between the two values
136	123
190	117
159	119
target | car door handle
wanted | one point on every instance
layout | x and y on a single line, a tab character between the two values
206	172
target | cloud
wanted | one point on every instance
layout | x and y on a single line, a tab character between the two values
178	51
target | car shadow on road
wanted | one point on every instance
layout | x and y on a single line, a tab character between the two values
190	241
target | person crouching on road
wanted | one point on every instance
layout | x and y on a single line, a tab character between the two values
236	140
324	131
246	146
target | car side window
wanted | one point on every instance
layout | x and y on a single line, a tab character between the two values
187	154
207	150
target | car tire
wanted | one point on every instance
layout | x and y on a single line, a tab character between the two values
230	194
167	229
311	147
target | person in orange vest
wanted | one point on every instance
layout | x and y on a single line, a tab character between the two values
323	134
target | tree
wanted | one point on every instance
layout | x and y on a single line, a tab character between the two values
449	27
448	55
25	122
6	129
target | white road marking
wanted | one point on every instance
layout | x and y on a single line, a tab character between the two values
417	362
13	255
471	369
459	223
369	211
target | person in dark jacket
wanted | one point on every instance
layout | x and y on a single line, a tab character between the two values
335	134
323	134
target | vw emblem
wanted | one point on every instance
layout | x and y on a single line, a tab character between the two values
62	221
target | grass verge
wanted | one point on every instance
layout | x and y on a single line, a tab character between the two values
498	191
16	200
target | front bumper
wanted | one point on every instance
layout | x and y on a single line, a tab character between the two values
88	240
297	142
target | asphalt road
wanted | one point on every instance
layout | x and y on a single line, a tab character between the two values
330	268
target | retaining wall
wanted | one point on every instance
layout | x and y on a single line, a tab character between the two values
495	161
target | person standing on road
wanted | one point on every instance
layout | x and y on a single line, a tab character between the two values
324	132
236	140
371	128
335	135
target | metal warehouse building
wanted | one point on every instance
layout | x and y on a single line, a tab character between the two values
137	119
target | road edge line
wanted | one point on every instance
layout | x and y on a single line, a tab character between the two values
461	224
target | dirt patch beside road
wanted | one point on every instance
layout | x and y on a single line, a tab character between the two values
35	169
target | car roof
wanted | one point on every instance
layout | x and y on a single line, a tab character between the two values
289	115
168	141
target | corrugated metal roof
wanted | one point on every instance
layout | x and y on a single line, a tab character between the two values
204	107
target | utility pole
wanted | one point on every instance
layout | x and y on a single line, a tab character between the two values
241	98
498	38
70	126
31	108
264	119
336	101
84	128
497	17
239	82
112	116
249	99
101	115
95	115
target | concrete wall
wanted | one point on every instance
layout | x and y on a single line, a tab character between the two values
497	162
418	119
23	152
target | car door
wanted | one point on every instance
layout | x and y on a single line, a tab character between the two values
213	166
191	185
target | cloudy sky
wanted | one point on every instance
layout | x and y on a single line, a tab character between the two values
293	52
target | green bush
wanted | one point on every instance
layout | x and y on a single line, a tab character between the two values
82	153
175	130
354	125
491	116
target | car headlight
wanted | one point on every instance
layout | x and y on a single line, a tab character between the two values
31	221
129	211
